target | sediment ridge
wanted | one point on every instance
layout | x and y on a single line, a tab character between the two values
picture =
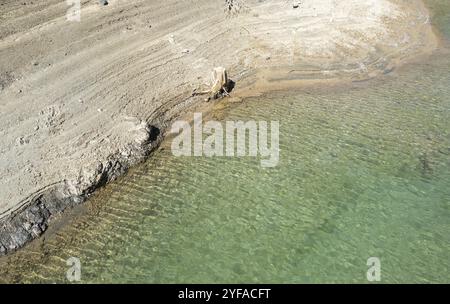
83	101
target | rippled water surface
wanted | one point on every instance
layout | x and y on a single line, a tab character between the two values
364	172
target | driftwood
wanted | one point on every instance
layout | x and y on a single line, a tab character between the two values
219	87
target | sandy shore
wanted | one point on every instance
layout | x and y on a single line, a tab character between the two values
81	102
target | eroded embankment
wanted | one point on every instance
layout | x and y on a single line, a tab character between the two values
81	102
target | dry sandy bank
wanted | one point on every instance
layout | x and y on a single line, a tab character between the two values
80	102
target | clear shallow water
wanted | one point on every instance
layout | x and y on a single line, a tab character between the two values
364	171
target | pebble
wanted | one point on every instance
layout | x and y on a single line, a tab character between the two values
22	141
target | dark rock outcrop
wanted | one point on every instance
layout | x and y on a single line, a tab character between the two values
32	220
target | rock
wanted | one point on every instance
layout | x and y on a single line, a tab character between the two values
2	250
27	226
20	237
36	231
103	2
22	141
296	4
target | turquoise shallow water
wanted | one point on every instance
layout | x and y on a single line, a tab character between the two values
364	172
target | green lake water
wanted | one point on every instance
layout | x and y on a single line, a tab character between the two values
364	172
